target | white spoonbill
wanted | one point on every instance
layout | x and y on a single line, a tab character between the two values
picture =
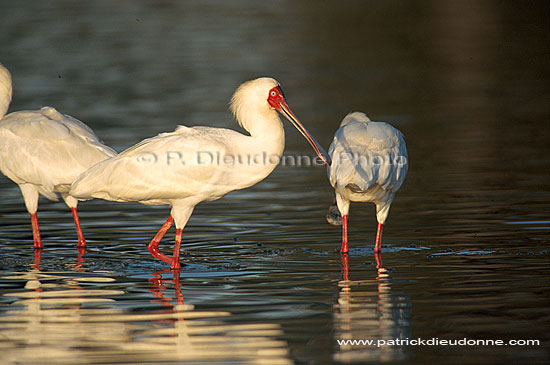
43	151
369	165
192	165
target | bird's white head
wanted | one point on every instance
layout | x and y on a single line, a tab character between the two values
5	90
264	96
251	97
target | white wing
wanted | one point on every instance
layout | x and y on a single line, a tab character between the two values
368	153
167	167
47	149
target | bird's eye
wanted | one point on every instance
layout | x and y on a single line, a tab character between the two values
273	93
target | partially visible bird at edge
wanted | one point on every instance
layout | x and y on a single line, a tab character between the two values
43	151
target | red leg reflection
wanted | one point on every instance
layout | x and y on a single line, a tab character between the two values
158	287
378	258
177	288
345	267
80	259
37	259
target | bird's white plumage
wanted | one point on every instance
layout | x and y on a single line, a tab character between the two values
176	168
47	149
195	164
369	163
5	90
43	151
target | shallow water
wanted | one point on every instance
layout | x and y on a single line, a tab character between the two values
466	246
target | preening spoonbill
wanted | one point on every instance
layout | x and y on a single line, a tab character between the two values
43	151
192	165
369	165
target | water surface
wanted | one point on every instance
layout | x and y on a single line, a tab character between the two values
466	246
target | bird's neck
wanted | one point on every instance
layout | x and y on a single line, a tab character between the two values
266	131
260	152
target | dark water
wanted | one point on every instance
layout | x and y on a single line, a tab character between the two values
466	247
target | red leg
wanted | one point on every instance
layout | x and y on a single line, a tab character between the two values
378	258
378	243
344	248
36	231
81	240
154	244
175	264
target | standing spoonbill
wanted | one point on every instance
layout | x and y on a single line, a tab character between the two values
192	165
369	165
43	151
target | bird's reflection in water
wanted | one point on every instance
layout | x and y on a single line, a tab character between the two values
158	287
212	338
37	263
83	317
37	259
180	335
52	314
368	310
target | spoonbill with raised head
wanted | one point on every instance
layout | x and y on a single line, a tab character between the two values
196	164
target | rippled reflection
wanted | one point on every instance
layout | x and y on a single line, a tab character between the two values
73	317
368	310
37	263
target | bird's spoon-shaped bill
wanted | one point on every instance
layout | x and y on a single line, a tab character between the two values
279	103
